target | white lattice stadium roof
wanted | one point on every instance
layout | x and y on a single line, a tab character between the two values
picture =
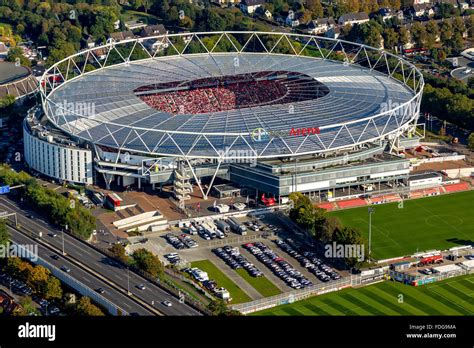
360	106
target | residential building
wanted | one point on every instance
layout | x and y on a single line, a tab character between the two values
353	18
155	44
250	6
120	36
321	25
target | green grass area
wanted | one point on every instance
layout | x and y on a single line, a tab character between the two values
438	222
130	15
262	284
189	289
237	294
453	296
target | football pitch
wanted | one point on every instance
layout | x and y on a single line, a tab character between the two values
438	222
453	296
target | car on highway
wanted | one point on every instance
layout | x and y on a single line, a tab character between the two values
65	269
100	290
55	257
54	310
141	286
167	303
52	235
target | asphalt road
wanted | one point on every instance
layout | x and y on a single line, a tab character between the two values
111	294
102	264
460	72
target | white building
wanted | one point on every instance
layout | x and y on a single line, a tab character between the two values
321	25
45	153
250	6
424	180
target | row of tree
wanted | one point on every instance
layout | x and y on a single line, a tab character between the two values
60	26
37	277
323	227
60	210
142	259
447	34
449	99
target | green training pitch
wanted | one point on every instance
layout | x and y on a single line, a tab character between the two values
453	296
438	222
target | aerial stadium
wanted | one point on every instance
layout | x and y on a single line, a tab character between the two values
275	112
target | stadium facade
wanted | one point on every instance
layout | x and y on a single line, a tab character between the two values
271	111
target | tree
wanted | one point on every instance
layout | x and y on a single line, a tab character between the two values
37	277
315	7
390	38
7	101
470	26
446	32
214	21
4	234
148	262
219	307
404	36
27	307
16	54
418	33
13	266
118	251
84	307
432	33
52	289
331	224
457	42
470	141
351	236
442	55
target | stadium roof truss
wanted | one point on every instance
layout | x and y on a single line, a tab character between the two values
384	72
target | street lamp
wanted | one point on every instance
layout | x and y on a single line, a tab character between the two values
128	280
371	211
62	230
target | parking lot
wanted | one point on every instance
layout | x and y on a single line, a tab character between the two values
267	249
19	289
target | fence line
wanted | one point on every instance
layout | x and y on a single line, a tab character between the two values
291	296
239	239
314	290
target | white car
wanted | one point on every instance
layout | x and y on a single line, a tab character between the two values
222	208
239	206
167	303
141	286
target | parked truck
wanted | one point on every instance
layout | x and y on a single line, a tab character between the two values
236	226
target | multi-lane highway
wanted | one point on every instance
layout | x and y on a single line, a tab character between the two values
111	294
100	263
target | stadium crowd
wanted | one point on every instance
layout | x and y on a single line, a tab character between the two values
198	100
230	92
